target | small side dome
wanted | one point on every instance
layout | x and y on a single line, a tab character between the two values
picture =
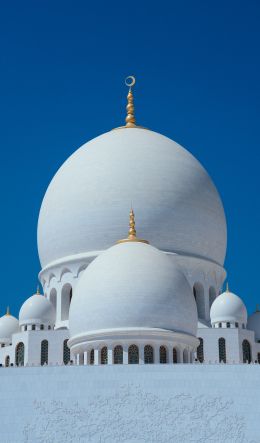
37	310
9	325
227	309
254	324
132	285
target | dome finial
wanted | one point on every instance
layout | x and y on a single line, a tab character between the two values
132	230
7	311
130	118
227	287
38	290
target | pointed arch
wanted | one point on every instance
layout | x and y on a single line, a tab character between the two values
133	355
66	352
19	354
247	357
222	350
44	352
148	354
92	357
104	355
200	351
64	271
66	296
163	354
185	356
118	355
81	268
174	355
198	292
53	298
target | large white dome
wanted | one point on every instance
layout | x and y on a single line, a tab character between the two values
132	285
178	206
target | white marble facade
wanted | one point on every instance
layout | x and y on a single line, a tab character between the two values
105	302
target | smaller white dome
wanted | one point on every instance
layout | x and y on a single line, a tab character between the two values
37	310
229	308
132	285
254	324
9	325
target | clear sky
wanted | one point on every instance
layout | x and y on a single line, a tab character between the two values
62	69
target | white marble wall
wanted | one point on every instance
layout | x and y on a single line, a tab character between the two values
116	404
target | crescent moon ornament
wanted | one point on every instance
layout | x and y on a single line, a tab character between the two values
130	81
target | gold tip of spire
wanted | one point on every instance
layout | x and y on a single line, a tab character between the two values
227	287
130	110
38	290
130	117
132	231
7	311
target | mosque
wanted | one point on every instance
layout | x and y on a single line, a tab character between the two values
112	301
148	294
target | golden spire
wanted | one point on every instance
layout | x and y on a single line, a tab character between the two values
130	118
7	311
38	290
227	287
132	232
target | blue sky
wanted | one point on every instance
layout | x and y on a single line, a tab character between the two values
61	81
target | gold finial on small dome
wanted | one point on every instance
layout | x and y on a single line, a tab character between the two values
132	231
38	290
130	118
227	287
7	311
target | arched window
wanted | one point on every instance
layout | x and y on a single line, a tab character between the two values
66	352
185	356
222	350
19	354
33	327
133	355
53	298
163	354
200	351
66	295
148	354
174	356
236	325
198	292
104	355
212	295
92	357
220	325
258	357
118	355
228	325
42	327
7	361
44	352
246	351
